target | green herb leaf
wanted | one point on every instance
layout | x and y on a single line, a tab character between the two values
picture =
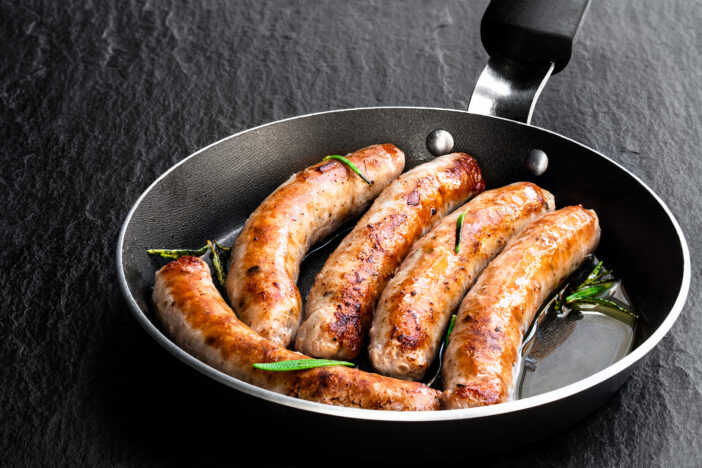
597	300
217	263
299	364
351	166
595	275
459	226
175	254
585	292
223	250
218	253
584	298
450	328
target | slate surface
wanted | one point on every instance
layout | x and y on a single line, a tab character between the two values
98	98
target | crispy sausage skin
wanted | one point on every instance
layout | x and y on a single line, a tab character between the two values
197	318
483	349
312	204
414	309
340	305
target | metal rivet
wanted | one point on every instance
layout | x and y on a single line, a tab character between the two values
440	142
536	162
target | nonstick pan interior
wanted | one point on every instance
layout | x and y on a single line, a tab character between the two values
210	195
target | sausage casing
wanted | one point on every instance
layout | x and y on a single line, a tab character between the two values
340	305
312	204
197	318
415	307
483	351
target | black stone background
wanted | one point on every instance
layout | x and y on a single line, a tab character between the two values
100	97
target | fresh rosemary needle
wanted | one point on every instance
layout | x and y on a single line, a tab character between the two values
351	166
299	364
217	262
589	290
585	292
175	254
218	253
459	227
450	328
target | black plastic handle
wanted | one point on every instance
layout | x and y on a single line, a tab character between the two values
533	30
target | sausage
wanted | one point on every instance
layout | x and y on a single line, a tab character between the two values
197	318
483	351
415	307
313	203
340	305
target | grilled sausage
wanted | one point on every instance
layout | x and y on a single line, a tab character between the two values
197	318
312	204
415	307
483	351
340	305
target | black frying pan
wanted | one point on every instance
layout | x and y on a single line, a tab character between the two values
211	193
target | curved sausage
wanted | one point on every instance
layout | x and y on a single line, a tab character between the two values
340	305
197	318
415	307
483	350
312	204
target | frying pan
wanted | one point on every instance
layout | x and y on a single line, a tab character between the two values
211	193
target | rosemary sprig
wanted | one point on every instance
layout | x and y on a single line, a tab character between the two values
218	253
225	252
595	275
450	328
217	262
459	226
587	292
299	364
351	166
584	293
175	254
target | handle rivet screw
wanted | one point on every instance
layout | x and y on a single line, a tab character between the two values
536	162
440	142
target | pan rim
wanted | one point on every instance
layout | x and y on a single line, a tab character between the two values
409	416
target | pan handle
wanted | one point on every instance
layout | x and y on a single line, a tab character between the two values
533	31
527	40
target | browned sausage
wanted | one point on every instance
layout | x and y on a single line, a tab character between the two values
197	318
340	305
484	346
312	204
415	307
